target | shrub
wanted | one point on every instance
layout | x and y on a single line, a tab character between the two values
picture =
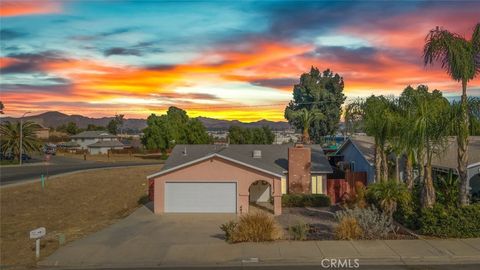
388	195
462	222
357	199
299	231
255	227
374	224
446	189
302	200
348	229
228	228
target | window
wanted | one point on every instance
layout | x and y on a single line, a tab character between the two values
317	184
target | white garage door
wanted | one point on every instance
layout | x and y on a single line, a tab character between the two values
200	197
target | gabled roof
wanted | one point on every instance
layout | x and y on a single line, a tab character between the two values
93	135
274	159
113	143
364	144
448	158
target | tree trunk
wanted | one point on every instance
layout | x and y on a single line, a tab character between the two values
384	165
397	168
409	171
462	141
421	166
378	163
428	192
306	136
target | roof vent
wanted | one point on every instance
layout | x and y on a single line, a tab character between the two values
257	153
185	151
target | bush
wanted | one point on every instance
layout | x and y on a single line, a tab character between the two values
348	229
374	224
461	222
302	200
387	195
228	228
299	231
252	227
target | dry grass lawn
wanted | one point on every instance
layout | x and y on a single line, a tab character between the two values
73	205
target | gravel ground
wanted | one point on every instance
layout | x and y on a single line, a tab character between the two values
321	220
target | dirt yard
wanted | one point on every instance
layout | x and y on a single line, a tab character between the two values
71	206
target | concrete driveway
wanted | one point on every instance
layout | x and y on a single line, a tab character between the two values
144	238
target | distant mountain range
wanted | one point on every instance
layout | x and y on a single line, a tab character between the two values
55	119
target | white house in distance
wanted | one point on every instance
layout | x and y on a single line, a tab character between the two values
96	142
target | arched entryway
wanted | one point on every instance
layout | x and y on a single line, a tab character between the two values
260	196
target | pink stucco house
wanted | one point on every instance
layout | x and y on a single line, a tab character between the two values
227	179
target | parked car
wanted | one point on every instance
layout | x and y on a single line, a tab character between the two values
8	156
50	149
26	157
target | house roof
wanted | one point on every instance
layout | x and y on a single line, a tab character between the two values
274	157
364	144
93	134
448	159
99	144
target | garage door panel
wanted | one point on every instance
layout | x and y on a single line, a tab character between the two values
200	197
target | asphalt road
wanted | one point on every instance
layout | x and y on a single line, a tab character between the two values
57	165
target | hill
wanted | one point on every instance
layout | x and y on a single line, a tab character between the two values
55	119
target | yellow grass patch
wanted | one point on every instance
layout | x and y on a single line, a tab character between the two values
73	205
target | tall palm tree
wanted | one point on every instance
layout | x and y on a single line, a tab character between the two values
460	58
378	122
431	118
10	134
306	117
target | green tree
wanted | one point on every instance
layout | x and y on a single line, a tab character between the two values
388	195
175	127
92	127
240	135
305	118
115	125
71	128
10	134
353	117
460	59
431	119
378	121
322	91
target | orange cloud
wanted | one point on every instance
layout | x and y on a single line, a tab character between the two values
9	8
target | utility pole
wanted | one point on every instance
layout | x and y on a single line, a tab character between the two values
21	138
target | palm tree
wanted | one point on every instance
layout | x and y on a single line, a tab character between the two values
431	118
10	134
460	58
378	122
305	117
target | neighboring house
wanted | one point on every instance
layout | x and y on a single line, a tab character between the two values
42	133
358	153
96	142
226	179
448	161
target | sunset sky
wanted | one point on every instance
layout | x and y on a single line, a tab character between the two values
226	60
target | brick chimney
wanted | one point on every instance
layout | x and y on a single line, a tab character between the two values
299	163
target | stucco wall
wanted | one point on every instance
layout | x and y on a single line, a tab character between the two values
474	178
351	153
219	170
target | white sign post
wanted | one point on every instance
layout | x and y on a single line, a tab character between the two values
37	234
